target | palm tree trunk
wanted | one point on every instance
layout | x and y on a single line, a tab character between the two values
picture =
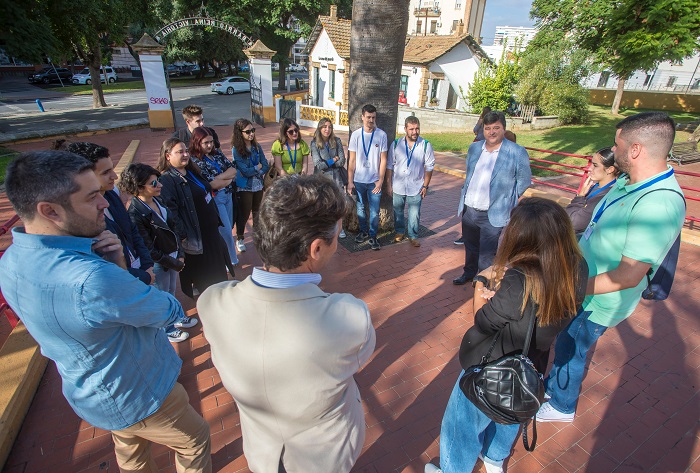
378	37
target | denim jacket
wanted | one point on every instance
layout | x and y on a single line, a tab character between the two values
101	326
510	179
246	167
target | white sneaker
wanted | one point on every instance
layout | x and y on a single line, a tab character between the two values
178	336
186	322
547	413
430	468
240	246
490	467
342	234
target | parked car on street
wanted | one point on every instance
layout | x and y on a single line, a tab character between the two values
275	66
83	77
296	68
49	74
244	68
173	70
231	85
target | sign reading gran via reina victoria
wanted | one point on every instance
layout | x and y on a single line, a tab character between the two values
202	21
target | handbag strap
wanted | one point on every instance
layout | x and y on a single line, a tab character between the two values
485	359
530	329
530	446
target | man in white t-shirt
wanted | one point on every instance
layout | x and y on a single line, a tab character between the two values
410	167
366	168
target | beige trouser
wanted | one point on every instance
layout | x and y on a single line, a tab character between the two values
176	425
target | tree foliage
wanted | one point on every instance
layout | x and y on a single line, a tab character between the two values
622	35
493	86
550	79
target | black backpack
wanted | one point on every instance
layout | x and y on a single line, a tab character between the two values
659	283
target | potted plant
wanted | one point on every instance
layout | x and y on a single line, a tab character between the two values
434	102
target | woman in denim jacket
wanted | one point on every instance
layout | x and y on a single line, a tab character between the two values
251	166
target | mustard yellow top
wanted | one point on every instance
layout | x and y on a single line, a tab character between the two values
302	149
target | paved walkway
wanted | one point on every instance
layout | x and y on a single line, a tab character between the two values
639	409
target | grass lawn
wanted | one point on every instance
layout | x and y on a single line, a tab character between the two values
575	139
6	155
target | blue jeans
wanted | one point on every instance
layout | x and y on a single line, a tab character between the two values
570	349
364	197
480	240
224	204
413	202
166	281
466	432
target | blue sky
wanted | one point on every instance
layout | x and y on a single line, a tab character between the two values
504	13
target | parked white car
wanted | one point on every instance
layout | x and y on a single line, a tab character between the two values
83	77
231	85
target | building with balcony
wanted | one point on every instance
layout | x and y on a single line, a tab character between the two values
443	17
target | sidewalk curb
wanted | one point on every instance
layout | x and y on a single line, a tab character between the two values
84	130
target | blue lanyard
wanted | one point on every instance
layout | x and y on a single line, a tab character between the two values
605	205
328	148
594	191
254	158
213	163
195	180
409	155
289	152
370	143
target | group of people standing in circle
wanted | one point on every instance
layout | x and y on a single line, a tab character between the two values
189	205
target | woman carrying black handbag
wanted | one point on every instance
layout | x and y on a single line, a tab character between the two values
538	270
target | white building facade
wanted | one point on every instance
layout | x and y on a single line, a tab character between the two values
443	17
512	35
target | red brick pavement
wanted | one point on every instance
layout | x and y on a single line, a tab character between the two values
639	407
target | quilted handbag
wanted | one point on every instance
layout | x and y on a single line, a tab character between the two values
508	390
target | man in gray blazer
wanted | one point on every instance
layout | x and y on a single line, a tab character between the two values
286	350
498	173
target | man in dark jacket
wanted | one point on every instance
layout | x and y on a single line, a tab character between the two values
136	254
193	115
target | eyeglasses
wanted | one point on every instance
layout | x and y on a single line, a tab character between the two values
248	131
154	183
293	131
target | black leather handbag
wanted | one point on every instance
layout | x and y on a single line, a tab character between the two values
508	390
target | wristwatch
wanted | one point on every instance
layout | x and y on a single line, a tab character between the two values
481	279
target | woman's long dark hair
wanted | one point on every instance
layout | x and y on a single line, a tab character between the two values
286	124
165	149
539	241
237	140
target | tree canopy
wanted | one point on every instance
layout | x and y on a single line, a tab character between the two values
622	35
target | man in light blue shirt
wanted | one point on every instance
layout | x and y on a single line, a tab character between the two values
409	169
498	173
65	277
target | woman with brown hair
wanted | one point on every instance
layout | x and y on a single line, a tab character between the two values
329	158
538	270
187	196
220	173
251	165
290	151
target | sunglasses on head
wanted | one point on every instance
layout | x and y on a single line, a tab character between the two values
292	131
249	131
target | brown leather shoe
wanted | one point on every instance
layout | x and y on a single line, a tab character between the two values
414	242
399	237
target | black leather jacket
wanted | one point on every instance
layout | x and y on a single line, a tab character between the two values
157	235
177	197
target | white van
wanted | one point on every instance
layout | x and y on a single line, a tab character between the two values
83	77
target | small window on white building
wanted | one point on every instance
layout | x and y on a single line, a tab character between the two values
454	25
404	84
695	85
434	89
671	81
647	79
604	77
331	84
433	27
458	4
419	26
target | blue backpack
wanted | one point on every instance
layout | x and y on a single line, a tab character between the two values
659	283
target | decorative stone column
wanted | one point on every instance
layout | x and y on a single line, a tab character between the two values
160	107
260	58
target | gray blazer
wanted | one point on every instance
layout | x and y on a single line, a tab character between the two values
510	179
288	356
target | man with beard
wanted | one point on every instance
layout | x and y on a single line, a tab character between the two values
631	231
66	278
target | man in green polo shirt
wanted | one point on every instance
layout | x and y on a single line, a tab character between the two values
630	232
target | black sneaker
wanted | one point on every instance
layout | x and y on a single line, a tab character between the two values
459	241
374	244
361	237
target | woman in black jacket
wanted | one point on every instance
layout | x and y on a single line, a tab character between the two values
187	196
153	221
538	269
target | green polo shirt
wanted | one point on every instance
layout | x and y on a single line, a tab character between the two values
642	232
